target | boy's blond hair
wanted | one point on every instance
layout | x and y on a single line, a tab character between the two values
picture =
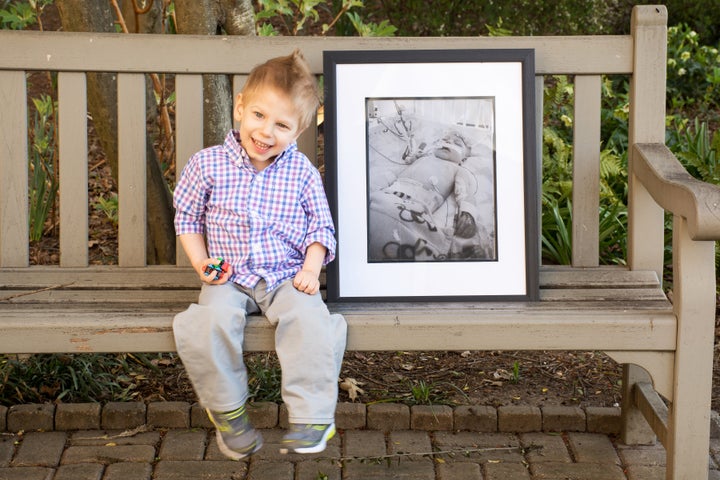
291	75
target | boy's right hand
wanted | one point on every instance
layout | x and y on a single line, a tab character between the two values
213	277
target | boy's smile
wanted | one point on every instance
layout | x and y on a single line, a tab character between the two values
269	122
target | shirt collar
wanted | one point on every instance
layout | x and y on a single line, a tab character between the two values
239	156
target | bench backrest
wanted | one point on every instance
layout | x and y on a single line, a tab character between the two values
641	55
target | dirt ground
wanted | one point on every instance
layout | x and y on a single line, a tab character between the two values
453	378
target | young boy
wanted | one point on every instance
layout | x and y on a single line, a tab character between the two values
258	203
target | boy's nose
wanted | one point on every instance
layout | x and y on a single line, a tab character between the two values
267	128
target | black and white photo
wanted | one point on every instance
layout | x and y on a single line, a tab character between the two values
431	184
430	167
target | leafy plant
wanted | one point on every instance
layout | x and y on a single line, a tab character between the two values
421	392
109	207
293	17
20	15
693	73
68	378
43	165
516	372
696	148
264	377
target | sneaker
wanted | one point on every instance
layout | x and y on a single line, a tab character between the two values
307	438
236	437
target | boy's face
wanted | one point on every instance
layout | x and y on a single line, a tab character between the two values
269	123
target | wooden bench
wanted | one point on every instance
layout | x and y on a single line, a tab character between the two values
621	310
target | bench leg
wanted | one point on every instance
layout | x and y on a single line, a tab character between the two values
635	430
688	438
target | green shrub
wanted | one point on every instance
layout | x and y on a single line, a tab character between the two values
67	378
522	17
693	73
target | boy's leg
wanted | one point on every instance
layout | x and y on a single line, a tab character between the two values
209	337
310	343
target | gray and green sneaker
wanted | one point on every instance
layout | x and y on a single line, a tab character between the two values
307	438
236	437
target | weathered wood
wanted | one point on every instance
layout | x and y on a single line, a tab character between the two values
73	149
162	277
646	125
586	171
205	54
74	330
132	185
694	285
653	408
673	188
188	131
14	229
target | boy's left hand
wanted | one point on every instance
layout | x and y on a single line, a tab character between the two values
306	282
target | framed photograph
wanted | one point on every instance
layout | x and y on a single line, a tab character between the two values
430	167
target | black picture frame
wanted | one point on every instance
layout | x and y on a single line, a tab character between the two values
431	174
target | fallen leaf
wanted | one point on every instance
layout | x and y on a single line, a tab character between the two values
501	373
352	386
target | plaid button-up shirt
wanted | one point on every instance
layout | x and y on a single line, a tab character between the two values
259	222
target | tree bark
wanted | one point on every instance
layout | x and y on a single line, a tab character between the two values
94	16
212	17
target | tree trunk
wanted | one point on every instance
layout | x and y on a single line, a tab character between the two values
211	17
94	16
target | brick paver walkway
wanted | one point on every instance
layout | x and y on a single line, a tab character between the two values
173	441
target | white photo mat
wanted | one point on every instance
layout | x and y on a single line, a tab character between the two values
354	276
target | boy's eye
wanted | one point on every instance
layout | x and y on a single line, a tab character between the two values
258	114
284	126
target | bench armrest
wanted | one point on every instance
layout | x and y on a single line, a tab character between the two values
676	191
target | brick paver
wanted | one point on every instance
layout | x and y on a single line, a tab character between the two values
42	449
80	471
77	416
376	442
184	445
7	449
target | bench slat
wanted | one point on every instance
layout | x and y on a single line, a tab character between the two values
586	171
143	298
205	54
156	277
73	151
423	329
188	131
132	157
14	229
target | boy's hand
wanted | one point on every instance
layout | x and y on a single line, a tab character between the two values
307	282
214	277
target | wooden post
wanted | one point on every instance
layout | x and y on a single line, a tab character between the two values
645	218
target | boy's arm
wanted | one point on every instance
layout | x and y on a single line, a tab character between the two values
194	246
308	278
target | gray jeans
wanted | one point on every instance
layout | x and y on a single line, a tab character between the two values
309	341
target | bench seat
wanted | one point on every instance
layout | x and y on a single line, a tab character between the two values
113	309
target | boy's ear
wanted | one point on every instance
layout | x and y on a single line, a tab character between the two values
238	108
